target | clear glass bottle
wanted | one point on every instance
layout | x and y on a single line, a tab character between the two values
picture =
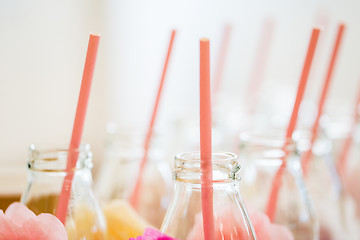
123	154
341	222
46	173
352	174
183	219
261	155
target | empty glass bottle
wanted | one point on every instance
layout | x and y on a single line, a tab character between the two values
261	156
335	208
123	154
183	219
47	170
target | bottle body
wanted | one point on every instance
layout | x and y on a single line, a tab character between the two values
262	157
341	222
122	163
183	219
47	172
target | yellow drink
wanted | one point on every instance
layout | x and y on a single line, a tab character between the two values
122	221
82	224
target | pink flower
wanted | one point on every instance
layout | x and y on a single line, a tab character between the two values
229	226
265	230
152	234
19	223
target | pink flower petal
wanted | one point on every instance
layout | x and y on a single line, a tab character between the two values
265	230
32	230
52	226
19	223
152	234
227	224
18	213
6	231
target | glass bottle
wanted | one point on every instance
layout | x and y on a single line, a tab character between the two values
341	222
261	156
352	174
123	154
46	173
183	219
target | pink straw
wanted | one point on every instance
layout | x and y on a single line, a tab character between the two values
259	65
276	184
62	206
134	198
342	163
205	141
219	67
306	157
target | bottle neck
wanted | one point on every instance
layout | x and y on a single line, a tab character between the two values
271	147
225	168
54	159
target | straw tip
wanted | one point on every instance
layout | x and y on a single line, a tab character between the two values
204	39
342	25
318	28
95	35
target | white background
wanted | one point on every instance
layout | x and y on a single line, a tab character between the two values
43	45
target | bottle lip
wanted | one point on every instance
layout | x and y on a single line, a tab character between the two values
53	158
275	139
126	145
335	126
217	157
225	168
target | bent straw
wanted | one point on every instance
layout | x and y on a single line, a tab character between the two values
276	184
205	141
342	163
219	66
134	198
72	157
306	157
259	65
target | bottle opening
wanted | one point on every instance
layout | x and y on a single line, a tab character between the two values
225	167
54	158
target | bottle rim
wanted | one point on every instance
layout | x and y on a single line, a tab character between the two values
225	168
217	157
53	158
269	139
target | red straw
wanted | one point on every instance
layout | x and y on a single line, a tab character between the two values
219	67
306	157
62	206
342	163
205	141
134	198
259	64
276	184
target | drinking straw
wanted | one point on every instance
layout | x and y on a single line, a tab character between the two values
134	198
342	163
220	61
276	184
306	157
72	157
205	141
259	65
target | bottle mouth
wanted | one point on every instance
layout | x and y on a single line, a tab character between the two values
336	127
127	146
219	157
54	158
268	148
225	168
270	138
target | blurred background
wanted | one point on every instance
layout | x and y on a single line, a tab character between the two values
43	46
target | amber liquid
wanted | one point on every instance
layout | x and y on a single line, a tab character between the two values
6	200
81	226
